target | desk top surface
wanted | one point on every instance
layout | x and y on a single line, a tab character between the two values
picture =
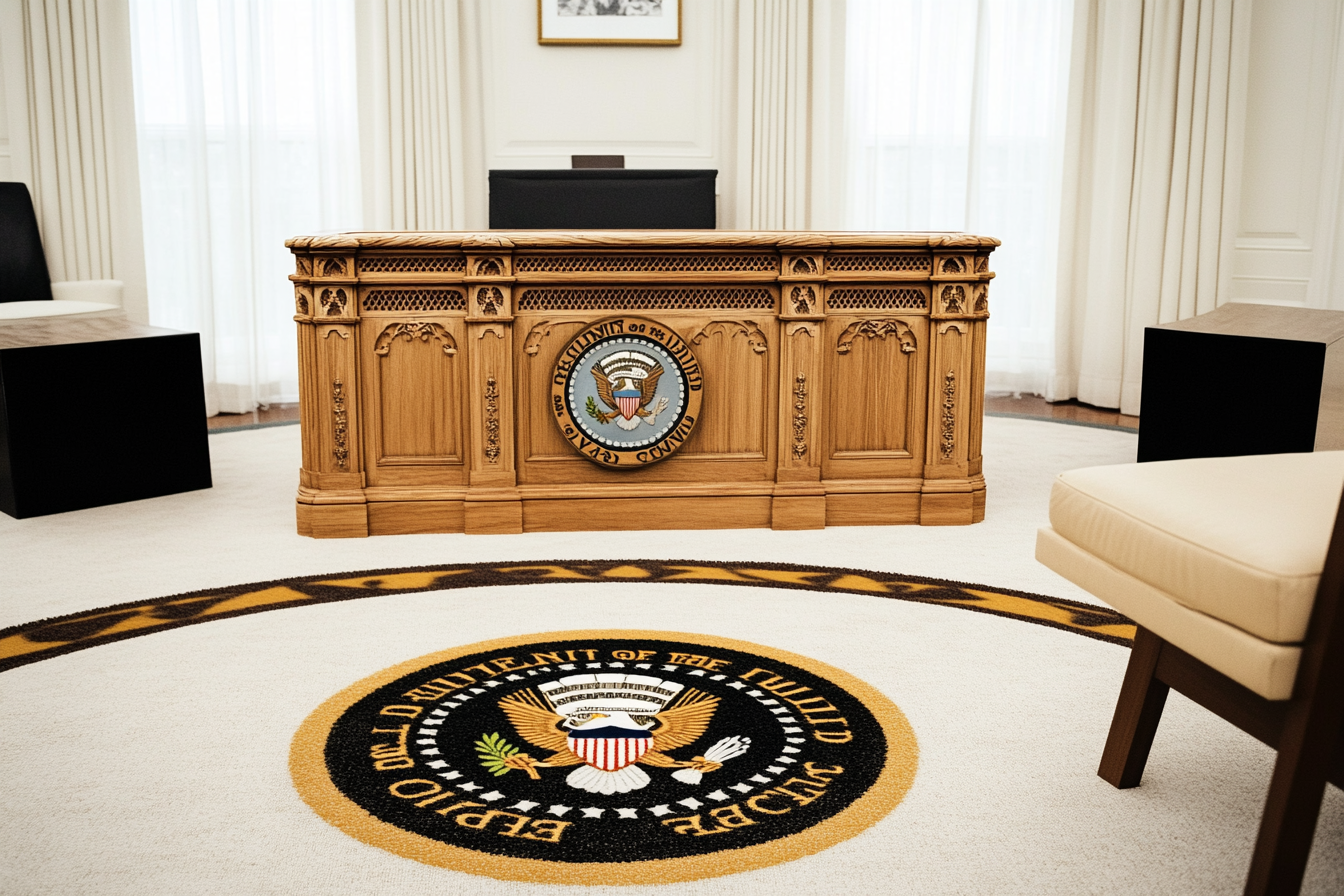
67	331
639	239
1266	322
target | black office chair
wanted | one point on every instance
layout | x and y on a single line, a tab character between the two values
23	269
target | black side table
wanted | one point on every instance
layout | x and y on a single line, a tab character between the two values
98	411
1243	379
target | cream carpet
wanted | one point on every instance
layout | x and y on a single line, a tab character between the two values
160	764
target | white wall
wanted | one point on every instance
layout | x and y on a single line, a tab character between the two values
660	107
1285	241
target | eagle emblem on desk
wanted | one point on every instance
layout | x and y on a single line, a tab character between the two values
627	382
611	724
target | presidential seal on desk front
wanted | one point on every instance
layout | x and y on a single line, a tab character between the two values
626	392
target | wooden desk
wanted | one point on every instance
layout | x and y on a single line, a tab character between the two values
843	379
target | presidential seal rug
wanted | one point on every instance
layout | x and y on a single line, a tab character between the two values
242	754
605	757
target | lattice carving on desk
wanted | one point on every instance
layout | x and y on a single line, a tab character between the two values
635	299
884	261
414	300
756	262
412	264
877	298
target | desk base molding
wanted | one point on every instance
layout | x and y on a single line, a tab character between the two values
423	511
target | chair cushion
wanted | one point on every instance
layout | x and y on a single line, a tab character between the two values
1240	539
1267	668
108	291
35	310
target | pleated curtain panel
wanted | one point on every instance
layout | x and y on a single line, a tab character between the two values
423	168
1157	101
80	158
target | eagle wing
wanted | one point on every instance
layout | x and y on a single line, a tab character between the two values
604	389
682	724
648	386
536	724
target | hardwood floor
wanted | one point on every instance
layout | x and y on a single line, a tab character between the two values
274	415
1072	411
995	403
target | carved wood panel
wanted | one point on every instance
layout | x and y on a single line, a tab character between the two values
736	418
538	437
950	396
735	355
415	396
875	377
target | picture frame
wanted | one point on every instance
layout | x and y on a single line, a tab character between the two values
609	22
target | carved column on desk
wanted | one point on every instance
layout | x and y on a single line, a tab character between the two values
799	500
954	485
492	503
331	501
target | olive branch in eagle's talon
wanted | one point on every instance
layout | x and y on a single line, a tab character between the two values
597	415
499	757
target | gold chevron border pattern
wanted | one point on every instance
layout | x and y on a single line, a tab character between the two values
46	638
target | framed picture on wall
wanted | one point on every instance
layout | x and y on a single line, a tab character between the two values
647	22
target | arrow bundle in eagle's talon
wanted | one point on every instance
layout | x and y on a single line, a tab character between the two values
713	760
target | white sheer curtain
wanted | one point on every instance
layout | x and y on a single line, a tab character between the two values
955	120
247	135
1152	180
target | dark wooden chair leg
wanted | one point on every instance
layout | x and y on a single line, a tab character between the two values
1137	714
1308	757
1288	826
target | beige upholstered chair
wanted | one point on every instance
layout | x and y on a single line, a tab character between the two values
1233	570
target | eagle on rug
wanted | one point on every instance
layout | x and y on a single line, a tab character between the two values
610	746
